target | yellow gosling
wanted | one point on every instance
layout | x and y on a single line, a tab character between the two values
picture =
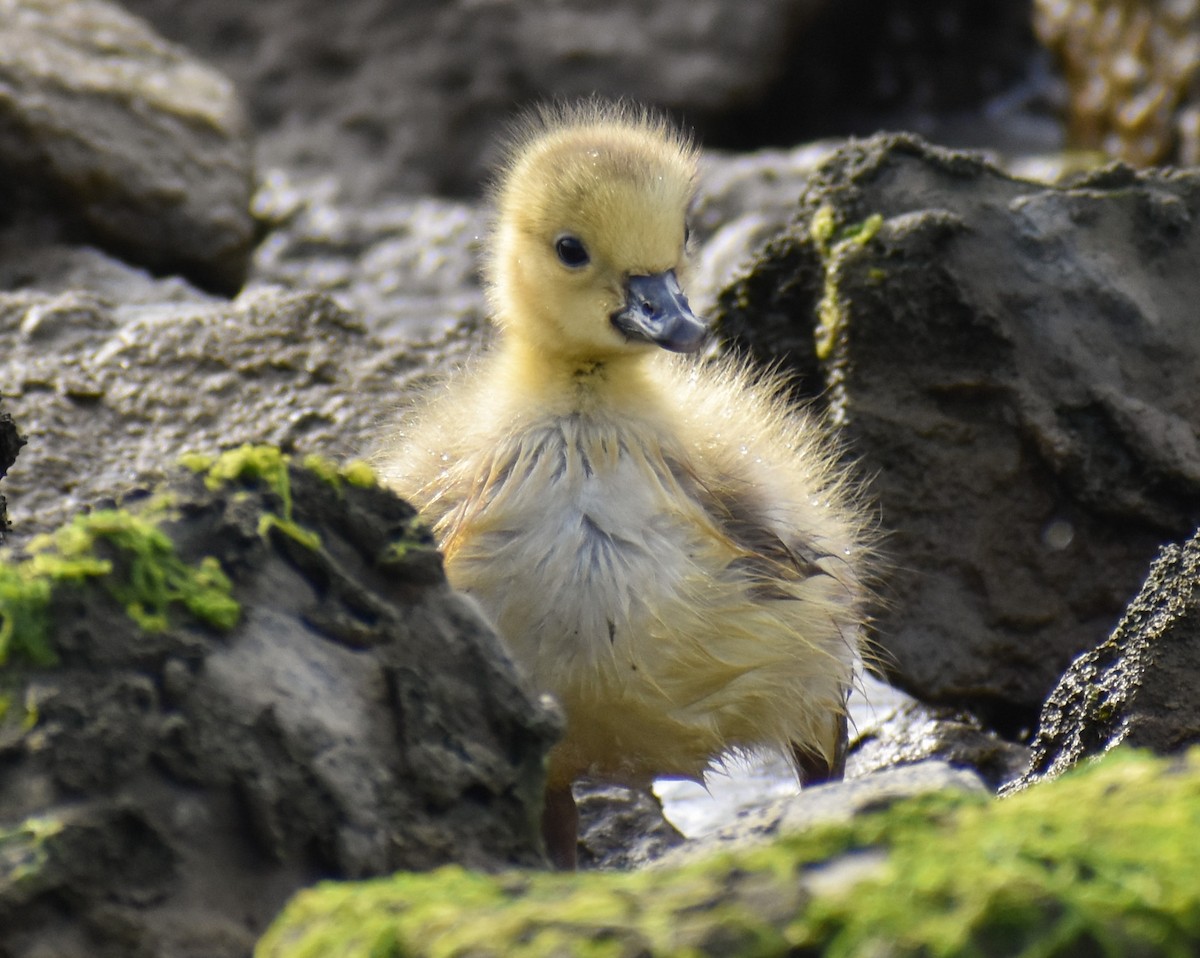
665	545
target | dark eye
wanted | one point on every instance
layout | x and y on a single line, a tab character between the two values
571	251
687	234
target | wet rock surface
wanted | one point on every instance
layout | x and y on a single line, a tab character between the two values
835	802
912	733
1024	403
127	141
1138	685
621	828
181	770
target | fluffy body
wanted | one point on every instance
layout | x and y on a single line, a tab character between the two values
666	545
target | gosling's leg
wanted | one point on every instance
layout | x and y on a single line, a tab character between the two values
560	828
812	767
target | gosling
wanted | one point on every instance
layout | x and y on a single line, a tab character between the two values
665	545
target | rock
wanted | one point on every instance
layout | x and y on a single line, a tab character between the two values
743	201
127	389
125	139
1138	686
823	805
966	73
942	874
1014	364
410	97
913	732
406	268
253	678
10	444
1131	71
621	828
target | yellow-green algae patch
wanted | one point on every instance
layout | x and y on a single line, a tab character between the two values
23	852
354	473
1099	862
128	556
835	243
266	464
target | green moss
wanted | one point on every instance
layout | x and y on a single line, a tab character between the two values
254	464
125	554
354	473
359	473
1099	862
326	468
23	852
836	243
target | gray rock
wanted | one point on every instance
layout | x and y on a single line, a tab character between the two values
913	732
835	802
10	444
1015	365
743	201
127	389
175	776
621	828
125	138
407	268
410	96
1139	685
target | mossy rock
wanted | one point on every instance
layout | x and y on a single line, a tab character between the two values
224	688
1099	862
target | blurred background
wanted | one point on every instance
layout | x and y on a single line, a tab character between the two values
407	95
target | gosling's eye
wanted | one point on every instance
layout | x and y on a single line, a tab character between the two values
687	235
571	251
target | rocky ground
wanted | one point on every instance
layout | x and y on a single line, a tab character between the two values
226	677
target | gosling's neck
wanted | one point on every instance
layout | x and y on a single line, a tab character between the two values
561	384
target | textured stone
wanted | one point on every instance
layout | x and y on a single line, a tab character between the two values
1015	365
126	139
10	444
128	389
1139	685
913	732
183	765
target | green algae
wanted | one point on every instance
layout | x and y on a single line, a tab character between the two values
836	243
23	850
253	464
1098	862
125	554
355	473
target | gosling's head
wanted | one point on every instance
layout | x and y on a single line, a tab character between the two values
590	236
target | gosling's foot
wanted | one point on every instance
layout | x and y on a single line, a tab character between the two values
813	768
560	828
